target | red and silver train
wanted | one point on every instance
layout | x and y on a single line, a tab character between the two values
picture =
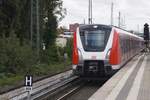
101	49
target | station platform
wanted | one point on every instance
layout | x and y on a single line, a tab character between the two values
132	82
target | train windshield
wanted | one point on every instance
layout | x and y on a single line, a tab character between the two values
94	40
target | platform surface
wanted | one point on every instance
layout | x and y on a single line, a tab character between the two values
132	82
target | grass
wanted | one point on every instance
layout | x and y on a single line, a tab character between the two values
36	71
12	80
43	69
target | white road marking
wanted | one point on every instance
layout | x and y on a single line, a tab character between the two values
133	94
114	93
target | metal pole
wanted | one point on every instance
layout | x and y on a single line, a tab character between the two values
28	97
31	23
84	21
124	22
112	11
38	34
119	19
89	12
138	29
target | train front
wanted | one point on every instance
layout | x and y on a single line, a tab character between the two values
91	50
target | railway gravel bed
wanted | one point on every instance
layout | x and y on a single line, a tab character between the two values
40	88
80	90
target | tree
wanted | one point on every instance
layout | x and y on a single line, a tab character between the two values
14	18
7	17
16	54
53	11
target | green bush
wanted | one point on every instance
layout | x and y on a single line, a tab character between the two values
68	48
15	58
50	55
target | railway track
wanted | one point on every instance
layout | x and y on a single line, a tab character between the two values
77	90
58	87
69	93
40	88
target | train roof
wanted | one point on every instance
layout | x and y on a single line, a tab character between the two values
85	26
128	32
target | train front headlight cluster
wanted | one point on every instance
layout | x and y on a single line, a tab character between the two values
74	67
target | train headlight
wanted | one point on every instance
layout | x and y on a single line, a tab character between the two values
74	67
108	55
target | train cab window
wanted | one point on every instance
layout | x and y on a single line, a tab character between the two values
94	39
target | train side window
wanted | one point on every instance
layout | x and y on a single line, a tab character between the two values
124	44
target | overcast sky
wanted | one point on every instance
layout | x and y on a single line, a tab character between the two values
134	13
